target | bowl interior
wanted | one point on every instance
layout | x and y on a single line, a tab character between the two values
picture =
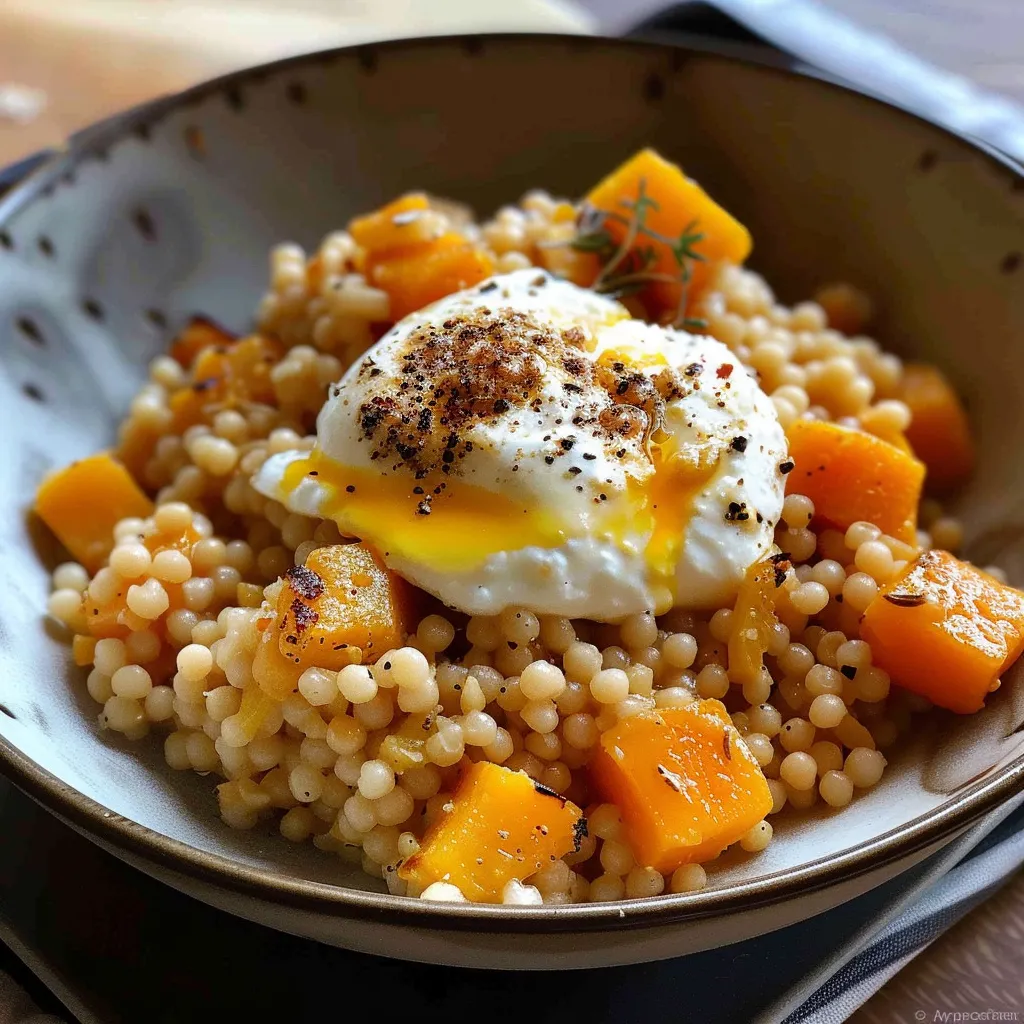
105	256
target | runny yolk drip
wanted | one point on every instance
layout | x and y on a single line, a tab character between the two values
455	530
669	495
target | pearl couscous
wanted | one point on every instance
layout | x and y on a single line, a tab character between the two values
365	749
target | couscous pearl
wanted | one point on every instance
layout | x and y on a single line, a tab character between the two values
202	753
688	878
580	731
641	680
478	729
614	657
131	560
545	745
827	710
359	812
306	783
472	698
616	857
864	767
836	789
679	650
540	680
859	590
109	655
71	576
180	624
297	824
176	752
540	715
873	684
443	892
556	633
777	788
356	684
435	633
821	680
170	567
519	625
376	779
604	822
874	558
760	746
408	668
855	653
65	605
644	882
609	686
809	598
345	735
759	689
131	681
581	661
519	895
501	748
173	517
673	697
712	681
798	770
98	685
419	699
796	734
757	838
827	756
319	686
764	719
607	888
639	630
195	661
159	704
148	600
223	702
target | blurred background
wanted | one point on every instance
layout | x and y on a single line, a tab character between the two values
64	65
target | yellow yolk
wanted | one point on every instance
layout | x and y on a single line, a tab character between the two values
466	524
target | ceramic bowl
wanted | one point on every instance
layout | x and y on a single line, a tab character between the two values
170	211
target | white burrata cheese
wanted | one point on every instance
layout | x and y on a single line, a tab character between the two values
525	442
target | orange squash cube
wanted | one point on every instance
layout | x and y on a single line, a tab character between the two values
851	475
681	205
752	621
199	334
83	502
502	826
684	783
397	225
945	630
939	431
414	278
342	602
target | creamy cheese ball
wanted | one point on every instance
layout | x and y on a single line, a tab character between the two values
525	442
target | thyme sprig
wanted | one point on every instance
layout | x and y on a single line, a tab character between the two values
627	267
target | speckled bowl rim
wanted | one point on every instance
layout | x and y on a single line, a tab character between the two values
138	841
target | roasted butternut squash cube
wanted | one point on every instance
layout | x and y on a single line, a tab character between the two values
945	630
502	826
684	783
396	225
83	502
342	605
851	476
939	431
199	334
414	278
676	205
752	622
